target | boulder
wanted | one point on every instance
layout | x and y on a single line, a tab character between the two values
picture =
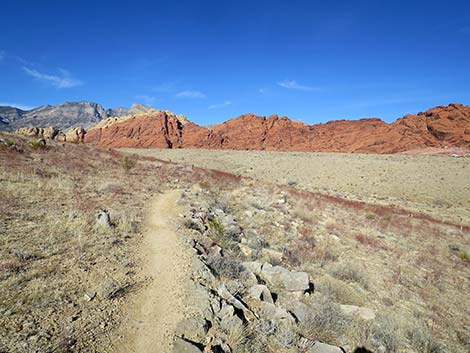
193	329
226	295
298	309
76	134
271	255
260	292
103	220
182	346
320	347
281	278
269	311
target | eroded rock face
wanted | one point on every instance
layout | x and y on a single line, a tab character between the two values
158	130
438	127
76	134
49	132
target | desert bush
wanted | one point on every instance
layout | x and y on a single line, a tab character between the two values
385	332
324	322
226	267
216	228
128	164
421	338
38	144
350	273
237	336
338	291
464	256
217	232
369	241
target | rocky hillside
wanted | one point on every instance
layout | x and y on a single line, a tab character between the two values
447	126
63	116
8	115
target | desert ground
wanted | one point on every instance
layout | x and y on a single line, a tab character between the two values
106	251
436	185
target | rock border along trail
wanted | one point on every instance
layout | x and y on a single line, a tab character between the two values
160	306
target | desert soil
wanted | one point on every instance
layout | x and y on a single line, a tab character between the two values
159	307
436	185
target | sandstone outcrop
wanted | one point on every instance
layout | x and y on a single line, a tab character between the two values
76	134
438	127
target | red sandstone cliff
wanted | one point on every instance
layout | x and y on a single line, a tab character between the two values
438	127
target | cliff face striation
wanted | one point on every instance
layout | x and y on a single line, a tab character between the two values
444	126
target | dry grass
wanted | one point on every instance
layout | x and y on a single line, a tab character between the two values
413	271
63	279
396	265
435	185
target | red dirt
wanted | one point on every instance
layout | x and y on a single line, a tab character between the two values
440	127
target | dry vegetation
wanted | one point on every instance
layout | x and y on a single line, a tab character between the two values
436	185
65	278
65	275
412	272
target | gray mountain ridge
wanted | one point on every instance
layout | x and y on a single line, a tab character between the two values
63	116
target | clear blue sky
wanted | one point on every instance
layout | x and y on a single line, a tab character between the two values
213	60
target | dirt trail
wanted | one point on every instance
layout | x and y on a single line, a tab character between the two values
160	305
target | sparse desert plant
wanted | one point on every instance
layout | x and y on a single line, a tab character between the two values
226	267
350	272
128	164
369	241
38	144
216	228
385	333
422	339
217	232
324	322
237	336
464	256
338	291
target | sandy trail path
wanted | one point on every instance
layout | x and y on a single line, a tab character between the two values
160	305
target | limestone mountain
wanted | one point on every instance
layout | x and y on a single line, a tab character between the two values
63	116
8	115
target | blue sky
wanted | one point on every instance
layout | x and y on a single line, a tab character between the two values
214	60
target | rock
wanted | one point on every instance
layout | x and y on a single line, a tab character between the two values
229	323
363	313
226	295
298	309
283	279
260	292
89	296
245	250
182	346
193	329
225	310
269	311
48	133
76	134
320	347
440	126
253	266
103	220
272	255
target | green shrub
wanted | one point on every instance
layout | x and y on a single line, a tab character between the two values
38	144
128	164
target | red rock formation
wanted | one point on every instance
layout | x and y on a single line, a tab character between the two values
438	127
